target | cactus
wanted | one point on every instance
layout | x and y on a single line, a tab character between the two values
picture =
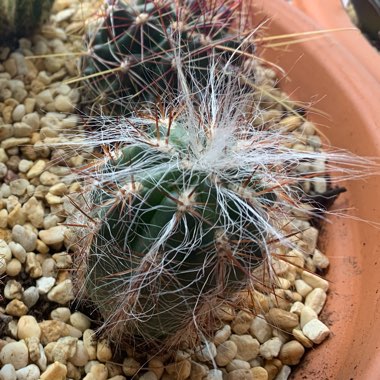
182	209
18	18
131	52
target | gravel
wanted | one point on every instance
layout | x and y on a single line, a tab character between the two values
44	338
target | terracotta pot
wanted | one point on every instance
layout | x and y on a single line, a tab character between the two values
327	69
330	14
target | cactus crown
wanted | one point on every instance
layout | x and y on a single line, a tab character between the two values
132	49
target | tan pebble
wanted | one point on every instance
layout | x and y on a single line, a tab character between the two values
33	344
297	308
157	366
53	199
18	186
320	185
316	300
235	364
272	370
28	327
198	371
18	112
13	290
32	266
48	350
80	358
302	287
130	366
80	321
89	340
5	251
73	372
300	336
63	260
30	372
16	216
55	371
61	314
62	293
310	238
3	266
240	374
34	212
51	331
259	373
226	313
74	332
59	189
114	369
225	353
315	281
103	351
3	218
260	329
247	347
99	371
146	376
316	331
48	179
320	260
16	308
291	352
222	335
62	103
41	247
181	370
64	349
36	169
49	268
13	268
282	319
242	322
52	235
271	348
296	258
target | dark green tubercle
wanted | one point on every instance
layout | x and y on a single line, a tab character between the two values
132	53
19	18
170	245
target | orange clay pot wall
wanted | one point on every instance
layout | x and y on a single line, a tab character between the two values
329	69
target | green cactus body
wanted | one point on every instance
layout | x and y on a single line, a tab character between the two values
19	17
132	54
170	243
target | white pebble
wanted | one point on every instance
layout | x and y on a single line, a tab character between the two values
31	372
316	300
15	353
8	372
271	348
260	329
315	281
214	374
44	284
307	314
316	331
207	352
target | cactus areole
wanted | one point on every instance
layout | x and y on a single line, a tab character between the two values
133	47
18	18
172	236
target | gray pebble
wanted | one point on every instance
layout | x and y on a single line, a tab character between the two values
30	296
26	238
